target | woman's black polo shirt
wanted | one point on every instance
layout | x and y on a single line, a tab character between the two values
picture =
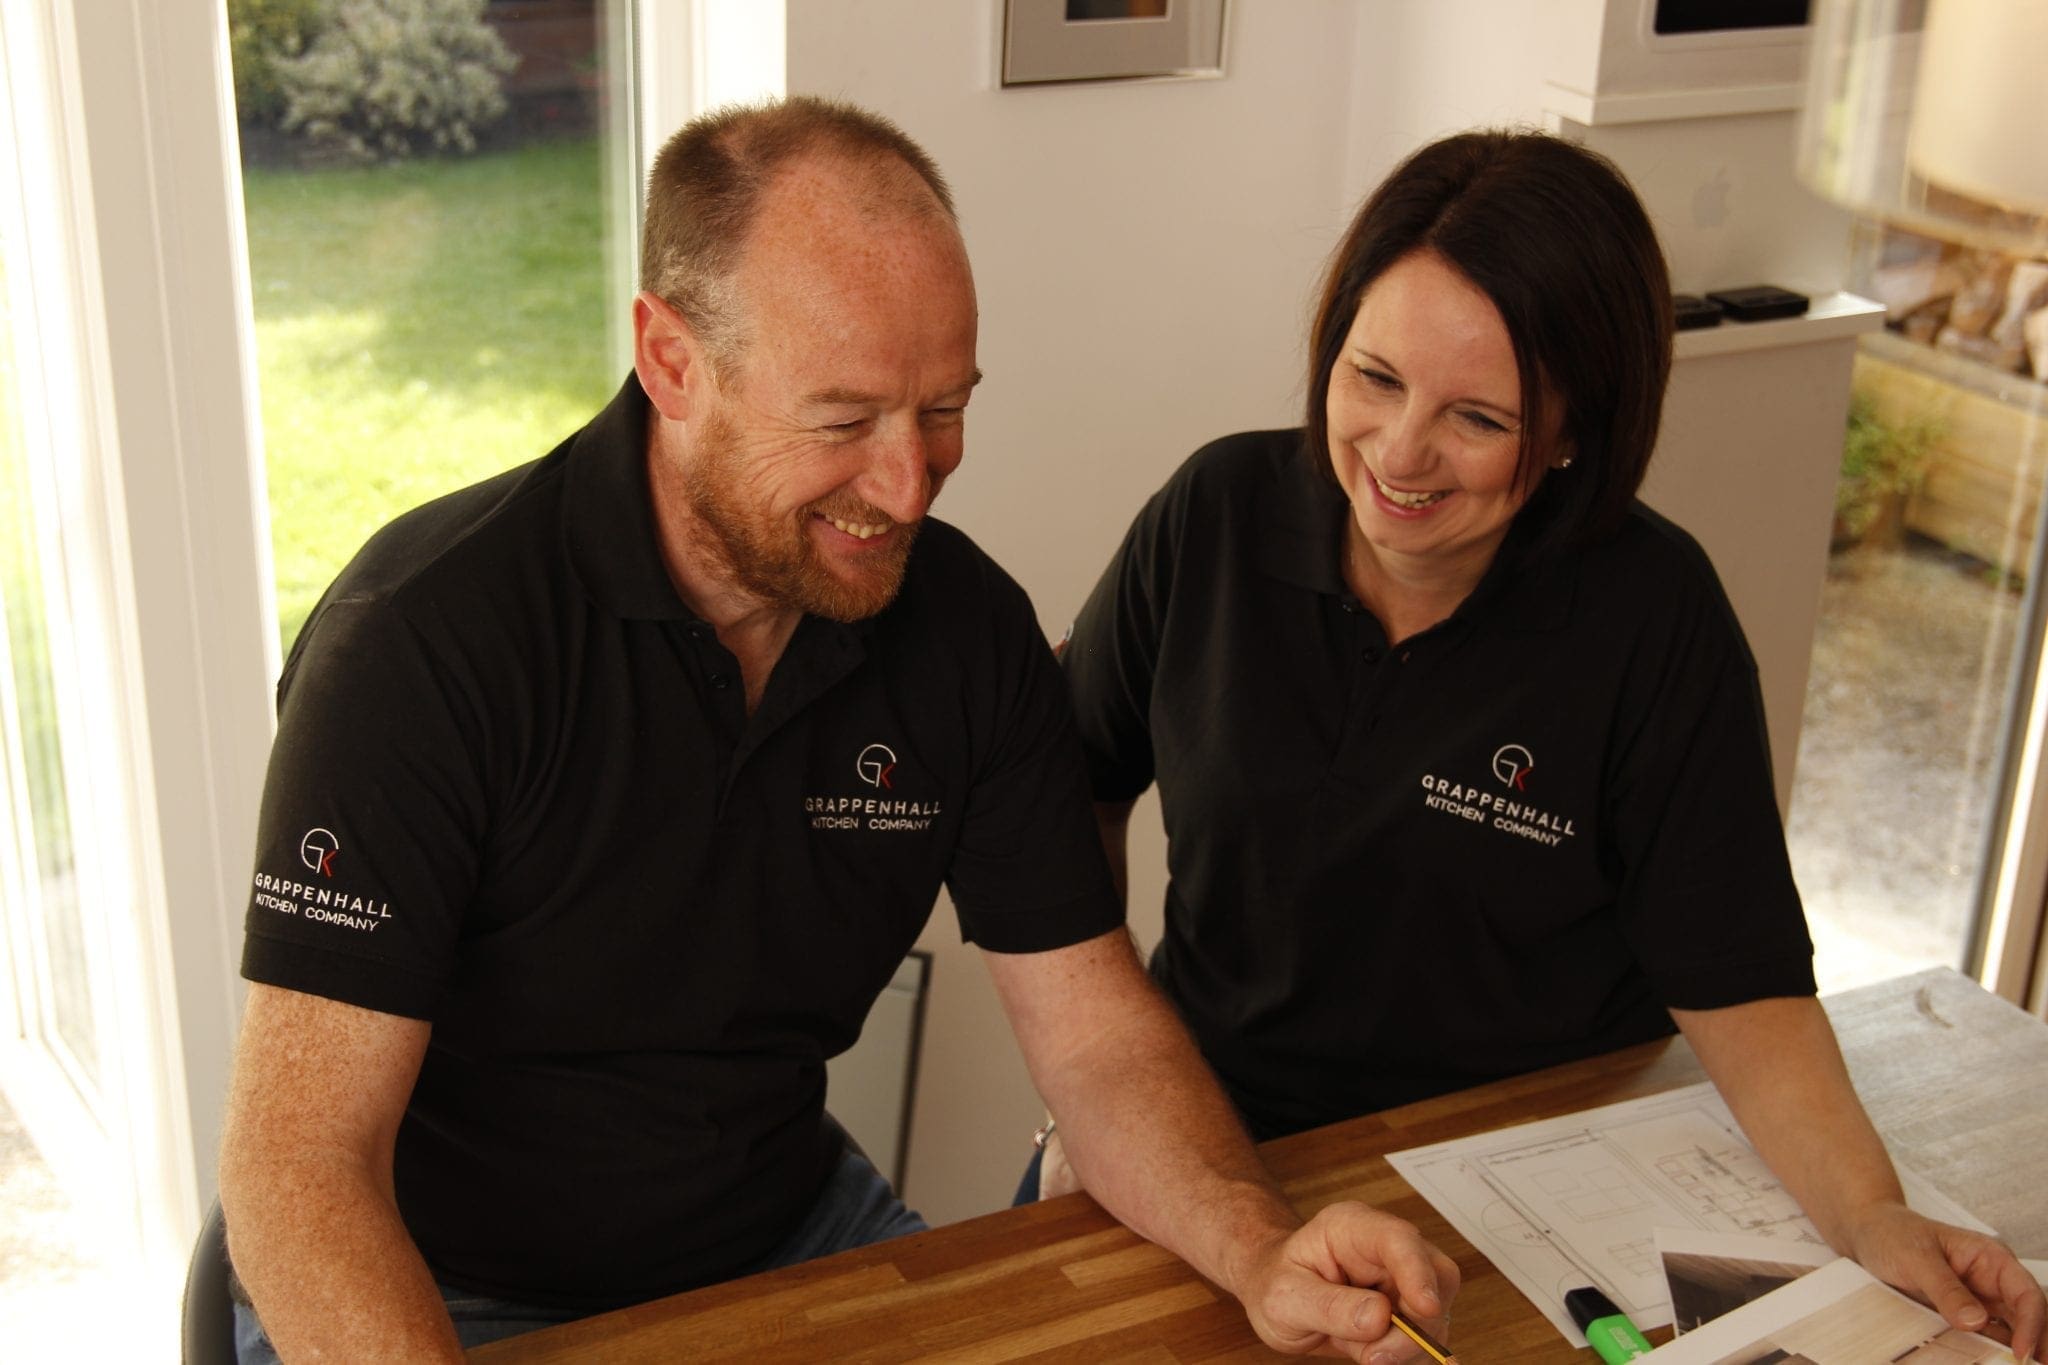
515	792
1514	840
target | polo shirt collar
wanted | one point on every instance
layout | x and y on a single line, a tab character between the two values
1522	593
1302	517
1301	523
613	539
608	513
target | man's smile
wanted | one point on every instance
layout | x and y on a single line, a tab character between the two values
860	530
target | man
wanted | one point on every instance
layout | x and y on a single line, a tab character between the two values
608	794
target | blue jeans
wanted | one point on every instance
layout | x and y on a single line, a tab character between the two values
855	1208
1027	1188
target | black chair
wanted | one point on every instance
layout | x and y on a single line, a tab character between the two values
209	1315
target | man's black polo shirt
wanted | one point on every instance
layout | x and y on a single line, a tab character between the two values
515	792
1512	840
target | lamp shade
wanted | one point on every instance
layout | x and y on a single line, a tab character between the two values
1930	113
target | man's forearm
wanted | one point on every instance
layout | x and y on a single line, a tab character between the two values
330	1267
314	1103
1153	1138
1144	1123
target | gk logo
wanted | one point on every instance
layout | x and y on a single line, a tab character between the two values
317	851
875	764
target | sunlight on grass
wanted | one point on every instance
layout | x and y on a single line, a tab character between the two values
418	327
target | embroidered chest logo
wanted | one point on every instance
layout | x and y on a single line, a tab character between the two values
875	764
319	901
883	812
1497	805
1511	764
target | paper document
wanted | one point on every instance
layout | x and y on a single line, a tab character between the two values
1577	1200
1837	1315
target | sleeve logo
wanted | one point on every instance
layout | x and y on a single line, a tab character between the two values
314	901
317	850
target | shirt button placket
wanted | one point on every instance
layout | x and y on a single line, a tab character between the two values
718	674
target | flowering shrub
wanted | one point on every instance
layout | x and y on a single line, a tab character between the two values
387	78
259	33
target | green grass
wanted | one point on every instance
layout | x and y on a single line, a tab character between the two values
418	327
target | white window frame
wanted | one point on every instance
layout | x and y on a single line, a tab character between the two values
152	393
150	399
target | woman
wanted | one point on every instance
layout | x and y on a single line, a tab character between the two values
1459	747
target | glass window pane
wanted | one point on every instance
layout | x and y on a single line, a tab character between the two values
424	319
54	983
1907	714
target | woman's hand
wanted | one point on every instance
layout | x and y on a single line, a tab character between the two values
1971	1279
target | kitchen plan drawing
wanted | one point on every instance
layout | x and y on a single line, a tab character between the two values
1577	1200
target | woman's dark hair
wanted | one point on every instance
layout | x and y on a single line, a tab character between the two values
1554	236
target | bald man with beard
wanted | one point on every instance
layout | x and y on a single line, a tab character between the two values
609	793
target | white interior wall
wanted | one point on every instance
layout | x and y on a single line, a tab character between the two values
1425	68
1146	254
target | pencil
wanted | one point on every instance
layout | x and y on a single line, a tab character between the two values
1421	1338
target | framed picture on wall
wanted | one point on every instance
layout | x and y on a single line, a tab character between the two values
1108	40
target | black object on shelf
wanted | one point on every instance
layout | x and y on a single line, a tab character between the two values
1759	302
1690	311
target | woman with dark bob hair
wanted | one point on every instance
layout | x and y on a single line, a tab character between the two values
1459	746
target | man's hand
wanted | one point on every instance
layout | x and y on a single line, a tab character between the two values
1331	1285
1967	1277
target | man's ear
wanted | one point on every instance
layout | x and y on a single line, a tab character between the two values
666	351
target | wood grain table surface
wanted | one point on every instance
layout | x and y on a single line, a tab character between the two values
1955	1078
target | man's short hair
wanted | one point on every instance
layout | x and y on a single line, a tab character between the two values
707	182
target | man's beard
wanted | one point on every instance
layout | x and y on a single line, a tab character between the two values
776	560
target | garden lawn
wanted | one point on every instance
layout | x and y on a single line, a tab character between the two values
418	327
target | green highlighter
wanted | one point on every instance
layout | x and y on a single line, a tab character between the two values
1607	1330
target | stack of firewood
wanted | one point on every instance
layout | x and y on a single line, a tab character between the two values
1983	304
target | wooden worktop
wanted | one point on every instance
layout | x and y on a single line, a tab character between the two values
1956	1080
